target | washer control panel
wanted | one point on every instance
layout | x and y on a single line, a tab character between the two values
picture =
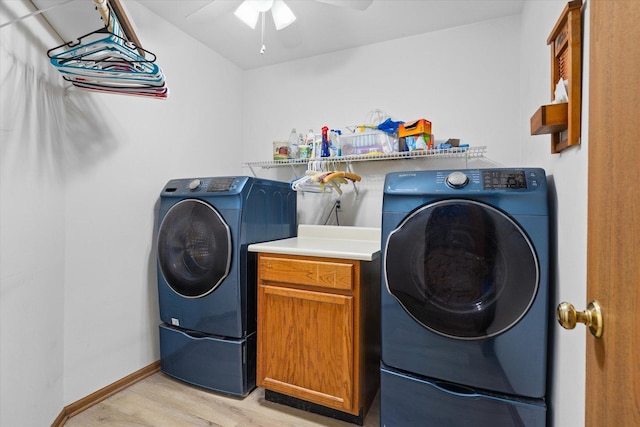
504	180
457	179
222	185
466	181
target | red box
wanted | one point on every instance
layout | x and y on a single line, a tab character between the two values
416	127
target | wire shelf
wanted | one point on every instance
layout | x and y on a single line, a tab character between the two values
456	152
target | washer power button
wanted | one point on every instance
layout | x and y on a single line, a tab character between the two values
457	180
194	184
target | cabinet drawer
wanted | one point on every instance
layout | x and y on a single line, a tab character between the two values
325	274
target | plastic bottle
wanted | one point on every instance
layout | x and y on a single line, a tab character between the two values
293	144
310	140
334	142
324	152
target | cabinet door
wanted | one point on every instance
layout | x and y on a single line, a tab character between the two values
305	345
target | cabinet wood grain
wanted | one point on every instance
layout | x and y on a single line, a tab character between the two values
318	329
324	274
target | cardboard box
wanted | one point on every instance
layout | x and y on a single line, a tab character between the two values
416	127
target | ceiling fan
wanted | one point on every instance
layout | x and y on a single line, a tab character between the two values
249	11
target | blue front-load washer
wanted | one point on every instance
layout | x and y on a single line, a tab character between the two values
464	301
206	281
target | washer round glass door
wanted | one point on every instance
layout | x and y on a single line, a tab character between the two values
462	269
194	248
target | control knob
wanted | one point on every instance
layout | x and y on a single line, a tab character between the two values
457	180
194	184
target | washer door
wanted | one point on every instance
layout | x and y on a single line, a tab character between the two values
194	248
462	269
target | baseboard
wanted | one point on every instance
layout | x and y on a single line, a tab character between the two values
94	398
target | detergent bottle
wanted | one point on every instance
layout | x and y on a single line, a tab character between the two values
310	140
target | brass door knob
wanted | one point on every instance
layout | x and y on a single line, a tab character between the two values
568	317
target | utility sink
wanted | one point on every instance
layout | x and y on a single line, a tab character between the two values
330	241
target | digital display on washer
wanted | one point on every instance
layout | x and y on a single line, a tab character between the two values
220	184
504	180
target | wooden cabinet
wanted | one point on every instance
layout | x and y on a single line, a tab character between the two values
562	120
318	330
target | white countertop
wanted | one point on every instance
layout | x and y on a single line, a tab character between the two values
329	241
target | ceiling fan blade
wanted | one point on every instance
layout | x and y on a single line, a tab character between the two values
352	4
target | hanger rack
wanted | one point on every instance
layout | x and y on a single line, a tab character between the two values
121	18
104	7
108	61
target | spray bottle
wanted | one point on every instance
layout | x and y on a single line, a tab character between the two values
324	152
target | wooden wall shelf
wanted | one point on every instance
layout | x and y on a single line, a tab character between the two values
562	120
550	119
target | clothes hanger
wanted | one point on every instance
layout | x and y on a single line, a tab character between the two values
311	181
113	43
111	64
100	58
341	176
113	72
322	172
161	93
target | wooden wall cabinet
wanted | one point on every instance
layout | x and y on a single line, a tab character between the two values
318	332
562	120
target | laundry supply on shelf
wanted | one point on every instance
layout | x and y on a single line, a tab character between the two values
293	144
280	150
324	152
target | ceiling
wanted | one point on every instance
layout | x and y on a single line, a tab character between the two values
320	27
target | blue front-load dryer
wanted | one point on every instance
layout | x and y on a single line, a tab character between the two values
206	279
464	301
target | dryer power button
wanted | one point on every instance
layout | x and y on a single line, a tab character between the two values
457	180
195	184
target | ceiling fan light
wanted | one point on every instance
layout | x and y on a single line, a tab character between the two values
247	13
261	5
282	15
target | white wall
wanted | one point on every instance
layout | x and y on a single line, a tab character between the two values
568	171
110	283
464	80
78	200
81	176
32	209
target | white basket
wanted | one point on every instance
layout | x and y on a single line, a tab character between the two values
370	141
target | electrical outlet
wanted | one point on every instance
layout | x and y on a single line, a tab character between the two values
337	205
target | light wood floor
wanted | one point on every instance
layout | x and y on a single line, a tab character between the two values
161	401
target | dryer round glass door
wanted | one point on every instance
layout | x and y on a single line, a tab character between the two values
194	248
461	268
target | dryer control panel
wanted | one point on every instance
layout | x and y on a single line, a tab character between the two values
466	181
223	185
502	179
496	179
